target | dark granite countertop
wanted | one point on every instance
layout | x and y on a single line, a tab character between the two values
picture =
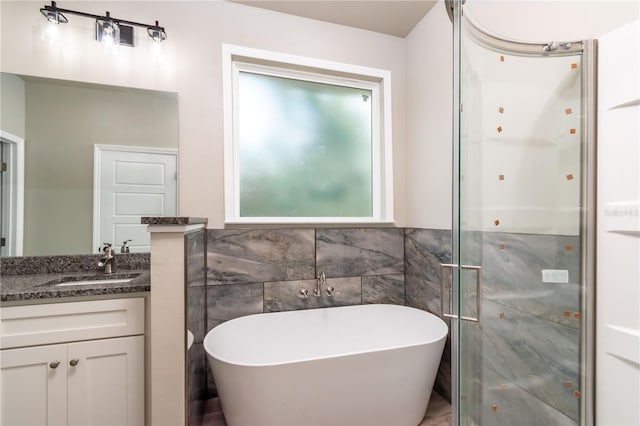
29	287
165	220
32	278
32	287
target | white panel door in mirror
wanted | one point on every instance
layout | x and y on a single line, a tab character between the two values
132	185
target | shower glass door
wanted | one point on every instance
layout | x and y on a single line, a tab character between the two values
519	284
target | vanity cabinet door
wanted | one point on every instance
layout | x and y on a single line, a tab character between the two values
106	382
34	386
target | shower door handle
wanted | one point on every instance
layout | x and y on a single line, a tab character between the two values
443	274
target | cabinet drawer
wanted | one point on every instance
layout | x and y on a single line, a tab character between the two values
66	322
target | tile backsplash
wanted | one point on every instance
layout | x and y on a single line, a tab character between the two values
360	252
253	271
259	255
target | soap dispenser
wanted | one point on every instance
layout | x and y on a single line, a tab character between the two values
125	247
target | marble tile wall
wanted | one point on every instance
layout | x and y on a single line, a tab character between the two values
263	270
506	404
196	296
259	255
424	251
528	336
531	329
358	252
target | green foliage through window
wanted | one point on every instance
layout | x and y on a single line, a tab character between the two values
305	148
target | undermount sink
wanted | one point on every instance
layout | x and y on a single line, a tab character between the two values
91	280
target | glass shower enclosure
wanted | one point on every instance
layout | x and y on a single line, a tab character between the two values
522	269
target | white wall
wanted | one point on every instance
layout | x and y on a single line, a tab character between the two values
63	122
429	82
12	106
618	238
520	168
192	67
429	120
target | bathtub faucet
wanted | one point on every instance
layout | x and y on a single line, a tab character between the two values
321	279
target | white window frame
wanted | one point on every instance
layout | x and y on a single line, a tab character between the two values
236	59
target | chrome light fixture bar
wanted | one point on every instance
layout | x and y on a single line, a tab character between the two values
108	29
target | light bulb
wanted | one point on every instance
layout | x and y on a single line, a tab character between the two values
108	33
50	32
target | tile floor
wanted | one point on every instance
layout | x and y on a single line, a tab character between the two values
438	413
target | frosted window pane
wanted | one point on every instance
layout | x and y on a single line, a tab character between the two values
305	148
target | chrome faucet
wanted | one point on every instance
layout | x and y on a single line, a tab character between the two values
321	279
108	262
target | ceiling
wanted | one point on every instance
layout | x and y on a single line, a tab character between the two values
393	17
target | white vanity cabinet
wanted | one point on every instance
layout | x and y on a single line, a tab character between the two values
32	392
77	363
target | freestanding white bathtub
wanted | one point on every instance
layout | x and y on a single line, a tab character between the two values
356	365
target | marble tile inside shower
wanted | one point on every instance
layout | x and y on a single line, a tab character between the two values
536	355
506	404
283	295
359	251
260	255
512	265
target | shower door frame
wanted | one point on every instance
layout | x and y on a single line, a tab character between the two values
588	50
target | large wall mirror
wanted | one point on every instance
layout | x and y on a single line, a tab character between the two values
83	162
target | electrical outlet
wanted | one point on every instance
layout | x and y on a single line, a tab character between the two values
560	276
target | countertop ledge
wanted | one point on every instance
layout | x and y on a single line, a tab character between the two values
185	220
30	287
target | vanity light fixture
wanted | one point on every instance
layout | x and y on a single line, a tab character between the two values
109	30
53	14
157	33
